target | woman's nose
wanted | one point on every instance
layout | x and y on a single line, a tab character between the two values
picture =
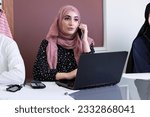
71	22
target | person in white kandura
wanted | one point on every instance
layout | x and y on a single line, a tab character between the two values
12	69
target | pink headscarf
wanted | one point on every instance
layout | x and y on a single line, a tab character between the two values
56	36
4	27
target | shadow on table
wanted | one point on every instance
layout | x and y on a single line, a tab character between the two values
100	93
143	88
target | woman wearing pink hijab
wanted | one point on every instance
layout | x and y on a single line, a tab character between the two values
59	53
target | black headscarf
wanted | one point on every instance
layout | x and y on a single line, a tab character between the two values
144	31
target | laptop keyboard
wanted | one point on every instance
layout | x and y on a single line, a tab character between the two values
69	83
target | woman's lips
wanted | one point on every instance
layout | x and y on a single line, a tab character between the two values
70	29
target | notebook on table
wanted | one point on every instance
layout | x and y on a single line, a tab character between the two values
95	70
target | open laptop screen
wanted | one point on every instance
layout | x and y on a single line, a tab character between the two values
99	69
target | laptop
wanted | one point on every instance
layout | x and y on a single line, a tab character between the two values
98	69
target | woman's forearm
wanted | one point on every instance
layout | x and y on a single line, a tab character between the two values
86	46
63	75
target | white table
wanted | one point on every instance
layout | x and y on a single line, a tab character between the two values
55	92
51	92
144	76
138	84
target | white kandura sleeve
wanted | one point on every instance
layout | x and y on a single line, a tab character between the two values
16	69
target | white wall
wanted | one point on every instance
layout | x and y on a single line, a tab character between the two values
122	21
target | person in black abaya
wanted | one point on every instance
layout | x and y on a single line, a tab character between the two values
139	58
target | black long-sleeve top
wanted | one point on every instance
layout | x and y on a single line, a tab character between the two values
139	59
66	62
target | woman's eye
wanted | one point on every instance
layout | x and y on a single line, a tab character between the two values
76	19
66	18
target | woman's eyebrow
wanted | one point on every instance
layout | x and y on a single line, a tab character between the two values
67	16
76	17
70	16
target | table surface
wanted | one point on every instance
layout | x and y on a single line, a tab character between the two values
131	87
138	85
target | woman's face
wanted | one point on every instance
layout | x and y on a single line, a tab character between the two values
70	23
